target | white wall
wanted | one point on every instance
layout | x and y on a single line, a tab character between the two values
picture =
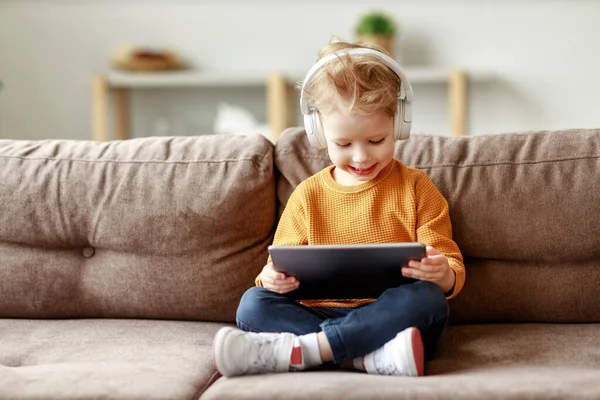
546	53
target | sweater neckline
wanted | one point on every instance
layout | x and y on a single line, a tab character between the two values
331	183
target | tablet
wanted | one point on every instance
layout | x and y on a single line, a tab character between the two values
355	271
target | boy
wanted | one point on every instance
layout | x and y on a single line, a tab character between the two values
356	102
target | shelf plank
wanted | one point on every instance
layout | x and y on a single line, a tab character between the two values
166	79
196	78
433	75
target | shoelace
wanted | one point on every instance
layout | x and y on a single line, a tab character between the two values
265	356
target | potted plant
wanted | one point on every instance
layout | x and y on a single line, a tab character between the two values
377	28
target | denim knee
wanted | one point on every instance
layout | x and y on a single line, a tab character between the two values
251	304
427	301
437	311
433	299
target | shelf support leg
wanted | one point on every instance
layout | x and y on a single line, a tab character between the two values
280	112
457	93
99	101
122	113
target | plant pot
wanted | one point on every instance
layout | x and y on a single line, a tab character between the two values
387	42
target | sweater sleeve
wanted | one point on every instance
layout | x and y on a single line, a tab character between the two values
291	229
434	228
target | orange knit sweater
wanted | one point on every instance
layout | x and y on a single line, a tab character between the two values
400	205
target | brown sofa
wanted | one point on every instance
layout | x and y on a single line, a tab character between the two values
120	260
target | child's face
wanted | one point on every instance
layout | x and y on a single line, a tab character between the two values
360	146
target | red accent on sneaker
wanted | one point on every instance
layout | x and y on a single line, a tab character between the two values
417	345
363	363
296	358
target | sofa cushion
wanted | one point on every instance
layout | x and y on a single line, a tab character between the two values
524	209
495	361
105	359
153	227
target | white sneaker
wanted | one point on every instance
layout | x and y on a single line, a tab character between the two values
237	352
403	355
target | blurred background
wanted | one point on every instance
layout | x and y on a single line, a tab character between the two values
537	61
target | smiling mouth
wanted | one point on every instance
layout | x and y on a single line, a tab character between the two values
362	171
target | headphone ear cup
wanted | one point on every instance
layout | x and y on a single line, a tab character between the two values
310	132
319	134
314	130
398	119
310	128
401	128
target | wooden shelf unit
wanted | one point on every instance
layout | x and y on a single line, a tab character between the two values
282	98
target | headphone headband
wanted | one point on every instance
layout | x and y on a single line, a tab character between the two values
406	93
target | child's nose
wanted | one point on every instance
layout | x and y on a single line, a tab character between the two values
361	155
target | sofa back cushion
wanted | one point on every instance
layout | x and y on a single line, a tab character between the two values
152	227
525	210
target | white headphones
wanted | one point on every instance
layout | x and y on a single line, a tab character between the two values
402	119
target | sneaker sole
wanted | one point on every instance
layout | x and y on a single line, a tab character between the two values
217	359
416	344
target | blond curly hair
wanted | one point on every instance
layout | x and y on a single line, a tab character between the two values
360	84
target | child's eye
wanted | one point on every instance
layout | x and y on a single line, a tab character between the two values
343	144
377	141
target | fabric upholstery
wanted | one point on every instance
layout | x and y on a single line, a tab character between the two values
495	361
105	359
154	227
118	258
524	210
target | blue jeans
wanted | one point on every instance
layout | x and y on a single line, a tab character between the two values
351	332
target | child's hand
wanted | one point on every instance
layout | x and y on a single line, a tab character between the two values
434	268
277	281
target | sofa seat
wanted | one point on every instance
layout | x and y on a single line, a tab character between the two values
153	359
105	358
494	361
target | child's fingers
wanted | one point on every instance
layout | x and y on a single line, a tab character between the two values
286	288
423	265
271	281
430	267
281	288
434	260
432	251
421	273
270	271
415	273
267	282
267	279
290	280
271	277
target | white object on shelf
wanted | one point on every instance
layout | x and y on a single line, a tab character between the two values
232	119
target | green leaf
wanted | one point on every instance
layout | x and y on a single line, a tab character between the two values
376	23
